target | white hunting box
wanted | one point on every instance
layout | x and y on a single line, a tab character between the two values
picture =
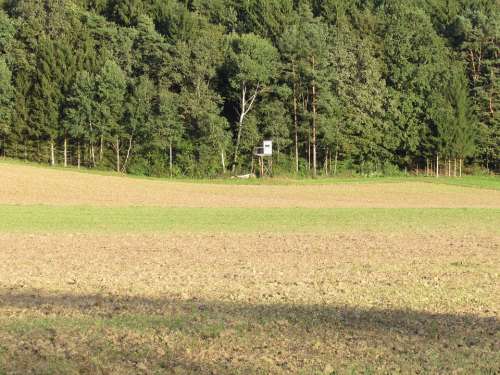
265	150
268	148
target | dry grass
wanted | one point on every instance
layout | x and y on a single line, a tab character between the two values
30	185
255	303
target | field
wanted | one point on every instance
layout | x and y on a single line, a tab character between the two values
103	274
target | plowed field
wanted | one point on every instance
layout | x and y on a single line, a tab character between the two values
106	275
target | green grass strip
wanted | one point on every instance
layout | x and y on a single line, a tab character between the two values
55	219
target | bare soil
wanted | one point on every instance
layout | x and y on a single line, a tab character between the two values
257	303
30	185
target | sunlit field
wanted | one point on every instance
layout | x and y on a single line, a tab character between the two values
103	274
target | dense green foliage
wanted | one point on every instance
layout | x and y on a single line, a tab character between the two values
169	87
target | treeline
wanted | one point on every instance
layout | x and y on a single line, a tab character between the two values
190	87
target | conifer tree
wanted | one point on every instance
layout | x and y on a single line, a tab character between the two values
6	103
81	114
111	89
167	124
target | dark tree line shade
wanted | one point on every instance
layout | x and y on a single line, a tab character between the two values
173	87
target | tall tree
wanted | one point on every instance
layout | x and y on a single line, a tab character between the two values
81	113
46	97
167	124
111	89
138	116
6	102
417	62
193	67
306	49
252	64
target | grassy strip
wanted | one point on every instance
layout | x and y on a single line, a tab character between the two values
28	219
481	182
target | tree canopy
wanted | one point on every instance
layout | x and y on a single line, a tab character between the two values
192	87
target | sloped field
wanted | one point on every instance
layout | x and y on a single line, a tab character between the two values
30	185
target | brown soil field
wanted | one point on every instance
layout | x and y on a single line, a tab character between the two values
255	303
31	185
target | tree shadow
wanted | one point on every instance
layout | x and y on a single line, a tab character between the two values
405	322
398	332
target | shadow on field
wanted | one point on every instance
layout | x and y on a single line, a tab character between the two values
470	330
109	334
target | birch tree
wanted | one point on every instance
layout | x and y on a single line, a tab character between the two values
252	64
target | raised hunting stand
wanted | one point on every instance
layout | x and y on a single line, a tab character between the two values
265	156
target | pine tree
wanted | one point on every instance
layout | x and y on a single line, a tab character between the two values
6	103
111	89
81	114
275	124
465	134
46	97
167	124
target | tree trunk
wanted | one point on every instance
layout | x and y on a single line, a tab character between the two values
325	166
295	122
223	161
330	162
170	158
78	154
437	166
52	154
460	167
314	156
92	154
127	157
336	162
238	141
309	153
65	152
449	167
101	149
455	168
246	105
92	151
118	154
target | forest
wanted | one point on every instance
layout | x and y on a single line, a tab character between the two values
191	87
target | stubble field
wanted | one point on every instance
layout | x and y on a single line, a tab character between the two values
111	275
